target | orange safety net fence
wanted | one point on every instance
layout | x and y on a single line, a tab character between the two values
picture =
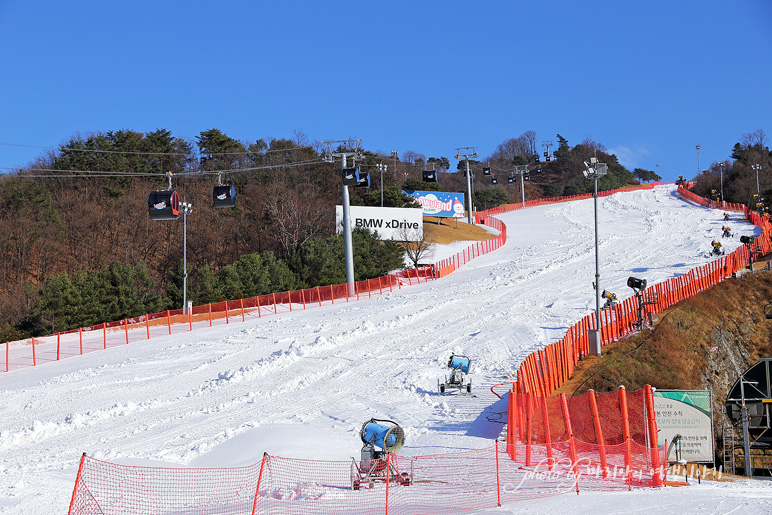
435	484
543	371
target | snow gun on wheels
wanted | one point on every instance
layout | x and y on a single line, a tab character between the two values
459	367
375	466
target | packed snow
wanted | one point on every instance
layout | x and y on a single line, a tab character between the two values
301	384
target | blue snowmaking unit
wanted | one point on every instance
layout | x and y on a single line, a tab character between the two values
375	465
459	367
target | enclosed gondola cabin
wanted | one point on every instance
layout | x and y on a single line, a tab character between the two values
430	176
350	176
224	195
363	180
164	205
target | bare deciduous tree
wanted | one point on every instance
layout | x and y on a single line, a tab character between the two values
417	244
296	216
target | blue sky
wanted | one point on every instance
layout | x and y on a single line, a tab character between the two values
649	80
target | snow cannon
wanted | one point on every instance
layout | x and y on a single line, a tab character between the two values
460	362
459	366
375	465
636	284
390	437
611	298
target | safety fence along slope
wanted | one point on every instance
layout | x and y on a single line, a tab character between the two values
544	371
552	461
76	342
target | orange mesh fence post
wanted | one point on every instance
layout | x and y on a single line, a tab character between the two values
543	369
169	321
356	290
380	287
259	479
547	439
190	318
77	483
528	426
319	294
227	318
104	333
34	361
209	306
126	327
388	480
332	297
598	432
626	435
303	298
652	423
511	423
498	480
80	337
241	301
569	435
147	324
273	295
58	337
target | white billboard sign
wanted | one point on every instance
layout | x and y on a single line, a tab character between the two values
686	413
391	223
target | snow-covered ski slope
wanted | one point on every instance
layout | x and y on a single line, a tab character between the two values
301	384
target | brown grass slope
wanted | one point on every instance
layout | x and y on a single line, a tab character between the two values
701	343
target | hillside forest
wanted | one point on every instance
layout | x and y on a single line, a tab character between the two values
79	248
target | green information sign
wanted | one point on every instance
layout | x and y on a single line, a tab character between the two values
686	413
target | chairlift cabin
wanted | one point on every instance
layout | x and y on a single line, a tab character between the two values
494	180
224	195
487	170
430	176
164	205
363	180
511	180
350	176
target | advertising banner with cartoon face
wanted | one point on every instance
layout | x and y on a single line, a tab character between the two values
439	203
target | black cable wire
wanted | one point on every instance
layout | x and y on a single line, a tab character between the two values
203	154
100	173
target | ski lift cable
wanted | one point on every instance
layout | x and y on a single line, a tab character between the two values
100	173
182	154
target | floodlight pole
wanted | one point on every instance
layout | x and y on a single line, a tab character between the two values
381	168
593	171
757	167
721	166
597	271
698	158
186	209
464	153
